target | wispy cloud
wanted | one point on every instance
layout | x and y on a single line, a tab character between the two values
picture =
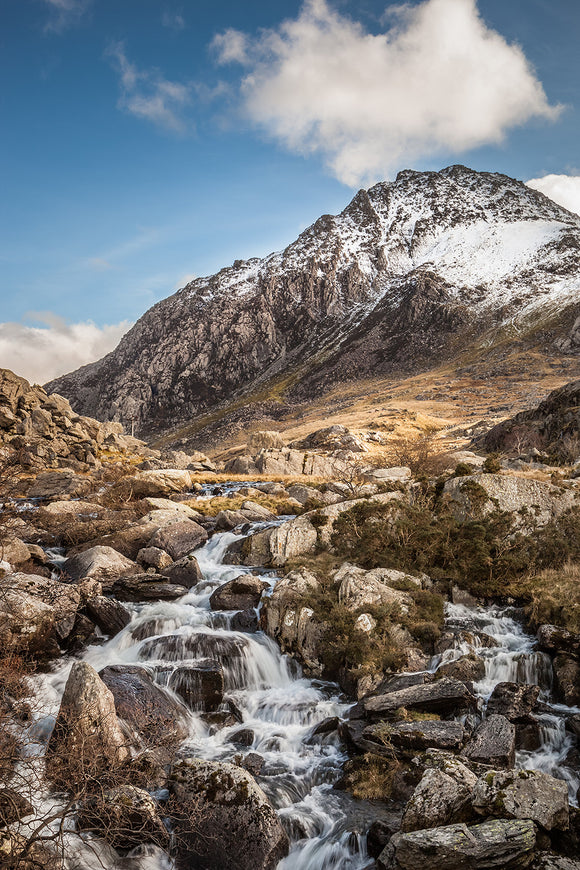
437	80
147	94
65	13
563	189
173	21
40	353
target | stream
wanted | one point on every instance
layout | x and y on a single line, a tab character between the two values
281	708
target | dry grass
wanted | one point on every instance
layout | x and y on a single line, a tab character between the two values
372	777
212	507
555	597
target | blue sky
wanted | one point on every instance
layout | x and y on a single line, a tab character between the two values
147	141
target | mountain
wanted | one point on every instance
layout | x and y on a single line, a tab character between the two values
434	266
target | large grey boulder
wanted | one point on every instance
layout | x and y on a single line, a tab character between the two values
101	563
493	742
523	794
421	735
109	615
287	620
162	482
87	735
440	798
179	538
200	686
443	696
544	500
359	588
222	818
494	845
554	639
185	572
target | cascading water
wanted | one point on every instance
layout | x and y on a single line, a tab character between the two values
279	708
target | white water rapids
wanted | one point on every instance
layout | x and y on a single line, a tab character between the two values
326	827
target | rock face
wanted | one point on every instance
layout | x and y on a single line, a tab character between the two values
444	696
36	614
287	620
440	798
407	268
493	742
495	845
223	819
523	794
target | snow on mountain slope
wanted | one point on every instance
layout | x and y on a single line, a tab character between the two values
398	277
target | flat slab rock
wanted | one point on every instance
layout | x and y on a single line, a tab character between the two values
443	696
493	845
493	742
421	735
523	794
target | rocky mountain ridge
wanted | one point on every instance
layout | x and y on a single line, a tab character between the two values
411	273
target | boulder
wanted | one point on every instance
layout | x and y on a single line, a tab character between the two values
493	742
125	817
359	588
166	504
523	794
567	679
513	700
245	620
482	493
54	484
285	618
253	551
14	551
201	686
222	818
36	613
155	716
493	845
158	483
468	669
180	538
147	587
185	572
110	615
424	734
100	563
297	537
227	520
443	697
153	557
87	733
439	799
241	593
554	639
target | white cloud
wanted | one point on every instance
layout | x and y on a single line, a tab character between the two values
147	94
184	280
563	189
437	80
42	353
173	21
65	13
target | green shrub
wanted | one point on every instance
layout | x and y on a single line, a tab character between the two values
492	464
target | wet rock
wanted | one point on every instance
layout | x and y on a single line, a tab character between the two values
440	798
493	742
87	732
223	819
147	587
227	520
512	700
175	647
245	620
378	835
36	613
201	686
468	669
242	737
567	679
100	563
453	638
421	735
327	726
494	845
156	717
555	862
179	539
241	593
554	639
185	572
252	551
110	615
125	817
523	794
528	735
443	697
252	762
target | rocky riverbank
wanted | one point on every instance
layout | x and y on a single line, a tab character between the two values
286	673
